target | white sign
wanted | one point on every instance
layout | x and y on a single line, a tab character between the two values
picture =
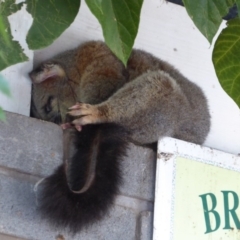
197	193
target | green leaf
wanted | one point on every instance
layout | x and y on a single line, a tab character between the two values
226	59
50	19
2	115
238	7
207	14
119	20
4	87
10	52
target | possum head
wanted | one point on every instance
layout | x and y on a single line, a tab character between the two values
52	93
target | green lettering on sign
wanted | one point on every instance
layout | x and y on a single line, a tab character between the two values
228	211
207	212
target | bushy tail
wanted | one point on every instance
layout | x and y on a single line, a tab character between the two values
57	195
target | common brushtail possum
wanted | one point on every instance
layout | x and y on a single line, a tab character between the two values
108	106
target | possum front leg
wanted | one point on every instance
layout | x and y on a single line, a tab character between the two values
88	114
150	102
148	107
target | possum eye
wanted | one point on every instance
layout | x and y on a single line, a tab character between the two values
48	106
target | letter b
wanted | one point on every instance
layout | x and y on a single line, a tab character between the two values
207	212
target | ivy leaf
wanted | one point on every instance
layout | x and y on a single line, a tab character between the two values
119	21
207	14
226	59
4	87
50	19
10	52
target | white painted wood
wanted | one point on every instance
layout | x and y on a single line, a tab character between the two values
167	31
169	151
17	75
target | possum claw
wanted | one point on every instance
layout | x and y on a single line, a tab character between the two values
76	106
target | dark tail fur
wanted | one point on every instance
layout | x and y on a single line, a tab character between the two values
75	210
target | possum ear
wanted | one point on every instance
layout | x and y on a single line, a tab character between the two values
46	71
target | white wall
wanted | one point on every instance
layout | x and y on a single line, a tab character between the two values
168	32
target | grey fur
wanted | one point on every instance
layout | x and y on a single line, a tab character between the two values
150	98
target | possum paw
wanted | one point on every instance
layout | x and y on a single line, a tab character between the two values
86	114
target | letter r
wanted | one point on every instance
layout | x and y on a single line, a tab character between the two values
228	211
